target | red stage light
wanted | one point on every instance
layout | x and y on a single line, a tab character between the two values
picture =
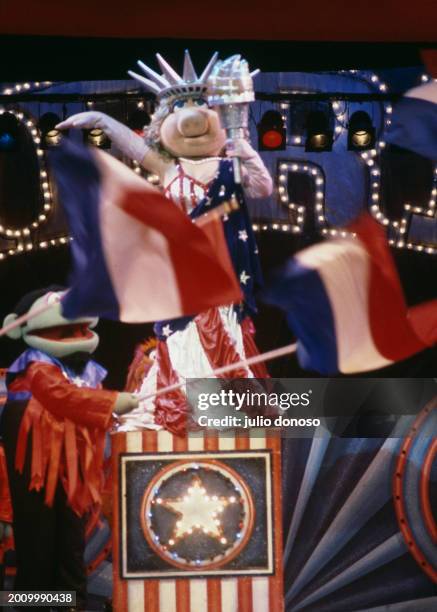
272	139
271	132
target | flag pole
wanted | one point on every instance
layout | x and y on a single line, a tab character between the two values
226	208
268	356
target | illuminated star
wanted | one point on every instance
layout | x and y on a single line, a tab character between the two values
242	235
197	510
166	330
244	277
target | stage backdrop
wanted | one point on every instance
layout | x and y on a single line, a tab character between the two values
315	193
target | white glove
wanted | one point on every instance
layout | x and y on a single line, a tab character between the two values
129	143
125	402
257	181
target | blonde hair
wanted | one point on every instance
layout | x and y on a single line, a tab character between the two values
152	134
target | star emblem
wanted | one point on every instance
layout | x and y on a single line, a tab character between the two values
197	514
242	235
244	277
166	330
79	382
197	510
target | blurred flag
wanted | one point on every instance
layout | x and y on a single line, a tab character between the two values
346	307
136	256
414	121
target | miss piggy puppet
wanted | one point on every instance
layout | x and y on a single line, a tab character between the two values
183	145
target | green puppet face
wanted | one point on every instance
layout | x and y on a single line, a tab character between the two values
51	333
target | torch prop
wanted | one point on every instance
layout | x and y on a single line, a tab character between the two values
230	89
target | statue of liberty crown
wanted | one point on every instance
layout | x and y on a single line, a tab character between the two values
170	84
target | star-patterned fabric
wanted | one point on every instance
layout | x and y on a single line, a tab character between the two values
194	346
240	240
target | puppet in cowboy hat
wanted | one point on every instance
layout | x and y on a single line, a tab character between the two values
183	145
53	427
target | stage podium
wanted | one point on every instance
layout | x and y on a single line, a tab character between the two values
197	522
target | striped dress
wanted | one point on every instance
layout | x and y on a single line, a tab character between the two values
193	347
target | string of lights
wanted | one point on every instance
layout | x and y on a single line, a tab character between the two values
24	237
371	158
22	234
17	88
30	246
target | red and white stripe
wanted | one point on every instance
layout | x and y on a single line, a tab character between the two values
185	191
144	236
372	323
145	248
345	270
245	594
213	339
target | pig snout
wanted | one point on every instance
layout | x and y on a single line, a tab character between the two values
192	123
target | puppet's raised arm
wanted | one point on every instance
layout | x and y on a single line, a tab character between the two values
130	144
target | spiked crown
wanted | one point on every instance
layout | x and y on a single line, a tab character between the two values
169	84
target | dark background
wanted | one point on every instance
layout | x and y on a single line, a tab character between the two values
361	20
57	58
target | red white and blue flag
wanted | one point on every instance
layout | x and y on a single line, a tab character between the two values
136	256
414	121
346	307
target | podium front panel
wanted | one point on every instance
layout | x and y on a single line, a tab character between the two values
197	522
